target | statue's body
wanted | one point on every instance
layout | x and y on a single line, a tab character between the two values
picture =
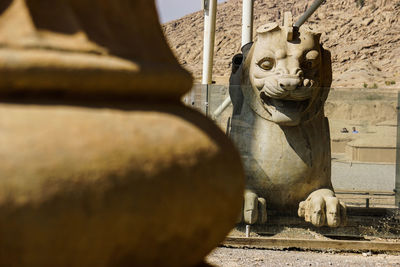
280	128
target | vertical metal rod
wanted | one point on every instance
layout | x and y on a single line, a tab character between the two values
397	189
207	99
228	127
247	230
308	13
210	13
247	21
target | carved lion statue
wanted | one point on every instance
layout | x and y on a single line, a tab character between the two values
278	124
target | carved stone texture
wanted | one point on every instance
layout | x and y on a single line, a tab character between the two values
280	127
100	163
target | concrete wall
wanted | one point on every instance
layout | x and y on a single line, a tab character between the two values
363	176
372	154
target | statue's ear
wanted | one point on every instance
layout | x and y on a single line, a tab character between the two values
245	50
326	73
237	61
326	68
325	83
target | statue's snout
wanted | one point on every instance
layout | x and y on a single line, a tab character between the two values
289	83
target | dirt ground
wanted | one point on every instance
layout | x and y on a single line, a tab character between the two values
228	257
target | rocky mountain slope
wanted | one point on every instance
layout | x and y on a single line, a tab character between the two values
364	41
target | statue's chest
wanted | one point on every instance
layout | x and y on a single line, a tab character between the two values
280	155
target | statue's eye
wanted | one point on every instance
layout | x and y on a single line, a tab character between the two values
266	63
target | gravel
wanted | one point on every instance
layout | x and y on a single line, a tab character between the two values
228	257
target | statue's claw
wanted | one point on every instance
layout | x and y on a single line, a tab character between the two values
322	207
254	208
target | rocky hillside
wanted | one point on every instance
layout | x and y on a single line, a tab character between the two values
364	41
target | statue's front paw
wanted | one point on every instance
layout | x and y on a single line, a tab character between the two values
254	209
322	207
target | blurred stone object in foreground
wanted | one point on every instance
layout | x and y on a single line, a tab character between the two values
100	163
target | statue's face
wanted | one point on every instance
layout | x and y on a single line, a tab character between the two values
285	75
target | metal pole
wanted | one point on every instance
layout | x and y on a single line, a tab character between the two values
210	13
397	189
308	13
247	230
247	37
247	22
221	108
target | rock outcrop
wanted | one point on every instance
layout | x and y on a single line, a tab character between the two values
364	41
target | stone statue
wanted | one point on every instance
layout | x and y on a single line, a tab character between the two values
101	165
279	126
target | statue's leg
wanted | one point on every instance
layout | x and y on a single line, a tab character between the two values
343	214
322	207
254	208
262	210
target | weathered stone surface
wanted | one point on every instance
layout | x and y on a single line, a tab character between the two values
86	48
100	163
280	127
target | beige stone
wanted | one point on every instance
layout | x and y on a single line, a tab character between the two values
280	127
376	45
100	163
372	149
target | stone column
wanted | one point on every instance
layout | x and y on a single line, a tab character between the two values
101	165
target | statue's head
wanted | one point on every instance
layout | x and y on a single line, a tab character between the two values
286	79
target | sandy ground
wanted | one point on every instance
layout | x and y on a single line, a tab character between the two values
227	257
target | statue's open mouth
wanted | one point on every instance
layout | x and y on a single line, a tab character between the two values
285	111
